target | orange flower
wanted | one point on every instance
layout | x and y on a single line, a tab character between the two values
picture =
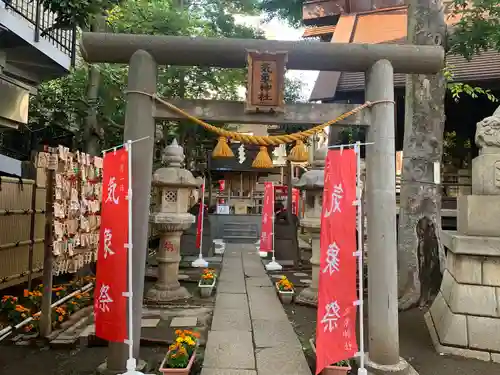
26	293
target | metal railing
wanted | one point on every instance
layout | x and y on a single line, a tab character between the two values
42	20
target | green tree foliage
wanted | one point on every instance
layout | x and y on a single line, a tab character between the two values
63	103
287	10
478	27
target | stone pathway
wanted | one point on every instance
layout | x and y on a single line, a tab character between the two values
250	333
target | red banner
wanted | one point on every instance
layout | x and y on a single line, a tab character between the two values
266	234
201	212
295	201
336	320
283	191
110	305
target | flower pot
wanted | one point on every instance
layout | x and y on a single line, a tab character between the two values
178	371
219	248
335	370
330	370
286	297
206	290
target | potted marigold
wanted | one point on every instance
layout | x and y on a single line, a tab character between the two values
207	282
181	354
285	290
339	368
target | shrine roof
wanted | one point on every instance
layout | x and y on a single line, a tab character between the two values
389	26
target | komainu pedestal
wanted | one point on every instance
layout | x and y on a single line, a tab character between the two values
464	319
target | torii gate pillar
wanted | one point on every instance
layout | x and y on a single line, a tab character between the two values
139	123
383	330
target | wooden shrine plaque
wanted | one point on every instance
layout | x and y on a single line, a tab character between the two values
266	82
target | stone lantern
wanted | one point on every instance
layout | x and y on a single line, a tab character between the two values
312	182
173	186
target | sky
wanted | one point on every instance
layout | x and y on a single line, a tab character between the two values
279	30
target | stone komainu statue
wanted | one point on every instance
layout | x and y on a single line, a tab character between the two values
488	133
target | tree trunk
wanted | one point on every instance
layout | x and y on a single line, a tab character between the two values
420	252
92	131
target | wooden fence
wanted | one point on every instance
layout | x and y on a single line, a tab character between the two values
22	220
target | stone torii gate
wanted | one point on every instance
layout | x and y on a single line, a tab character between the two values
143	53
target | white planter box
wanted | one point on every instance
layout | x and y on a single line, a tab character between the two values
219	248
206	290
286	297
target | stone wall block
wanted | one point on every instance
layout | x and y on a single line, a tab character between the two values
484	333
491	271
465	269
485	174
474	300
447	285
451	328
478	215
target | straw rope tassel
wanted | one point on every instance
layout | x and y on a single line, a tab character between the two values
263	160
222	149
299	153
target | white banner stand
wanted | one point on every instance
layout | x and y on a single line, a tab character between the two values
131	361
200	262
273	265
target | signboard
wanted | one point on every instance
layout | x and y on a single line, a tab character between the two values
222	209
266	81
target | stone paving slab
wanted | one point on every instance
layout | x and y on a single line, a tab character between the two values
231	319
270	333
282	360
217	371
229	350
231	301
259	281
254	272
250	333
184	321
237	287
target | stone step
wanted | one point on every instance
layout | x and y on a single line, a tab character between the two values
239	239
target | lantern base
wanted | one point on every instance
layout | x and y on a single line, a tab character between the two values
157	296
308	296
273	266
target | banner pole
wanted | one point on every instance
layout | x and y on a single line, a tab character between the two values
131	361
361	369
273	265
200	262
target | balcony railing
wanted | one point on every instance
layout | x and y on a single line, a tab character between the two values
41	20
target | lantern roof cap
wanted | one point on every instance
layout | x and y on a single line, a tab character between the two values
313	179
173	174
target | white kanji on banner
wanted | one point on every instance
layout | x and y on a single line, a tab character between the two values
332	315
108	237
332	259
337	195
104	298
112	191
